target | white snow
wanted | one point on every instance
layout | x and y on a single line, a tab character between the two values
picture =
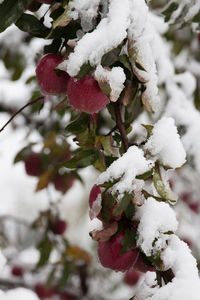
114	77
109	33
156	219
141	37
126	18
86	10
2	261
19	294
165	144
127	167
191	7
185	285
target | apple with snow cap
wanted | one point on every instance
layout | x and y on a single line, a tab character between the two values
85	95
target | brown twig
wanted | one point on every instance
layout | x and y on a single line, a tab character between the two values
20	110
120	125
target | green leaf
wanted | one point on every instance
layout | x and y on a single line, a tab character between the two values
15	62
23	153
139	66
68	32
32	25
125	61
67	269
50	278
107	203
149	129
130	210
196	18
105	87
122	205
79	125
10	12
82	159
30	79
169	10
145	175
63	20
45	247
53	47
160	187
110	57
128	241
84	70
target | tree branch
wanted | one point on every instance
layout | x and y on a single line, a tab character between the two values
20	110
120	125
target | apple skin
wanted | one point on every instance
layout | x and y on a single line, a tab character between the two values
109	254
62	183
85	95
34	6
43	292
49	82
132	277
17	271
59	227
33	164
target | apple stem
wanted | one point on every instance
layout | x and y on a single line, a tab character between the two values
20	110
120	125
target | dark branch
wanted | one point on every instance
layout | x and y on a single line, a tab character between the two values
20	110
120	125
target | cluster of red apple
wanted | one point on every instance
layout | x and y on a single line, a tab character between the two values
109	251
83	94
41	289
58	227
36	164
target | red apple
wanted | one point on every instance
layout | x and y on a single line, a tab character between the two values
17	271
94	193
59	227
43	292
85	95
49	81
188	242
63	183
109	254
194	206
186	196
33	164
34	6
132	277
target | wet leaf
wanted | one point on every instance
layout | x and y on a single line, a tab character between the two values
82	159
